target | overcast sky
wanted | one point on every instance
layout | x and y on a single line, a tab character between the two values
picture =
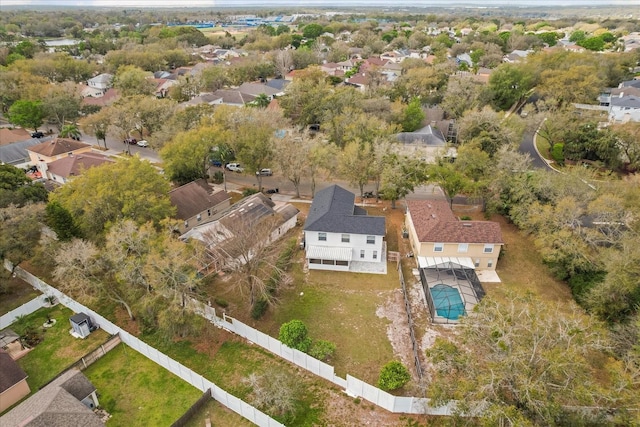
300	3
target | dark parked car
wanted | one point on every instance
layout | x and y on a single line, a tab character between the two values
37	135
132	141
216	163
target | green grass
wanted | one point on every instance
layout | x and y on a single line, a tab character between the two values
137	391
235	361
219	415
17	292
58	350
341	307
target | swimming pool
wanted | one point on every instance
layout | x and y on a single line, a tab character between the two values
447	301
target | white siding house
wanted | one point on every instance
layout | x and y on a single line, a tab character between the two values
341	236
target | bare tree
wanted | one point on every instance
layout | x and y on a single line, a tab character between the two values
274	391
244	244
80	269
283	62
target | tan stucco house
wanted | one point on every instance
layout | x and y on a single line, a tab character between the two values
435	232
13	381
55	149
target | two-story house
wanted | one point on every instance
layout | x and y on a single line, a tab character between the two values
341	236
198	203
435	232
56	149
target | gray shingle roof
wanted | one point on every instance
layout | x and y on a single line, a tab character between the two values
626	101
333	211
195	197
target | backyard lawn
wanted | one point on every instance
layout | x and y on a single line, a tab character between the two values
219	415
137	391
58	349
16	292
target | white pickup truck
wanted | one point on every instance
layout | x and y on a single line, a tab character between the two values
235	167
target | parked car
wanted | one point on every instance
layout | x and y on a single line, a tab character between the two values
132	141
272	191
37	134
143	143
368	195
216	163
264	172
235	167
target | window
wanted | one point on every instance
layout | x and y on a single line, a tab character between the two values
322	237
186	224
343	263
346	238
438	247
199	217
314	261
208	212
328	262
463	248
488	248
490	263
362	253
375	254
371	240
476	263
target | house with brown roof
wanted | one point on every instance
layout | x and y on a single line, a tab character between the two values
55	149
198	203
66	168
66	401
13	381
436	233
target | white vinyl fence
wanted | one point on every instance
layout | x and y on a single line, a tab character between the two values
352	385
240	407
26	308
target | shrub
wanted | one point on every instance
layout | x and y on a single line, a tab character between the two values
465	218
218	177
221	302
393	376
557	153
249	191
294	334
259	309
322	350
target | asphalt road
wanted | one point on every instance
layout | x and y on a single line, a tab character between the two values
528	146
235	180
115	147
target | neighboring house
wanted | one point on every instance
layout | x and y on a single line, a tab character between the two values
466	58
55	149
359	80
427	144
516	56
435	232
624	108
198	203
66	401
110	96
13	382
101	82
348	65
341	236
14	146
247	213
66	168
256	88
231	97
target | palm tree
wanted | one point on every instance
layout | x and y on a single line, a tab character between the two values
70	131
261	101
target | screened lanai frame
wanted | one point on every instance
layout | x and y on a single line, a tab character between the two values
454	275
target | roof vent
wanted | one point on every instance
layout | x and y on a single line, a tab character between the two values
466	224
433	215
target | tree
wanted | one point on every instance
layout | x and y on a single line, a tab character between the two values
61	221
412	116
508	84
294	334
62	104
274	392
18	189
393	376
292	153
245	245
261	101
519	360
70	131
131	80
312	31
355	164
186	157
283	62
449	179
400	176
322	350
20	230
130	188
97	124
28	114
79	270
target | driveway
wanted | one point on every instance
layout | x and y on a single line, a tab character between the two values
527	146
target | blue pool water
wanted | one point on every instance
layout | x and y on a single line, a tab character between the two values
447	301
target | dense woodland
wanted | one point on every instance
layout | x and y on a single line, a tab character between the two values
116	240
